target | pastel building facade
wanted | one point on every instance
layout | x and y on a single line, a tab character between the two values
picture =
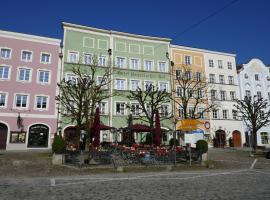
29	70
136	61
254	79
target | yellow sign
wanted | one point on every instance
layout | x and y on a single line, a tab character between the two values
188	124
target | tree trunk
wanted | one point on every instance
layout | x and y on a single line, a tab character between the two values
254	140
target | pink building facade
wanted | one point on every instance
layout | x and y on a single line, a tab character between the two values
29	71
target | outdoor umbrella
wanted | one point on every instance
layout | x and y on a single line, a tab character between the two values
158	130
96	128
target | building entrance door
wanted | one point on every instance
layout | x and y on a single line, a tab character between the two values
3	136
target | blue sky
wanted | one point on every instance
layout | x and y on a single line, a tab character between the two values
243	28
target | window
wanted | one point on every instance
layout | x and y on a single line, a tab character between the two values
4	72
163	86
103	82
179	91
88	59
178	74
229	65
221	79
222	95
232	95
69	108
134	85
102	108
259	94
71	78
148	85
27	56
201	112
134	64
135	109
220	64
257	77
148	65
188	60
268	96
120	84
213	94
225	114
17	137
45	58
162	66
230	80
212	78
200	93
41	102
234	114
24	74
44	76
148	109
190	111
5	53
120	62
73	57
190	92
102	61
181	112
214	114
188	75
21	101
211	63
120	108
164	110
264	138
198	76
248	94
246	76
2	100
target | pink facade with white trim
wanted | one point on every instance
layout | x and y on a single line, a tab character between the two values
40	109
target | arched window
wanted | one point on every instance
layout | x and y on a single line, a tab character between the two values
38	136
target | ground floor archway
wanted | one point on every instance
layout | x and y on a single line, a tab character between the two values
38	136
236	138
220	139
3	135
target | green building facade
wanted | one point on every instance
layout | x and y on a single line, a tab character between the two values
136	61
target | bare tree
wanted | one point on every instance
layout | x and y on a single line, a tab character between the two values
148	101
256	114
82	92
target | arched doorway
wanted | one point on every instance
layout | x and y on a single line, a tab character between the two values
220	139
3	136
72	139
236	136
38	136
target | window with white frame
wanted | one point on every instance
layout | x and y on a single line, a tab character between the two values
134	63
231	82
201	112
88	59
220	64
229	65
232	95
234	114
4	72
215	114
188	60
225	114
102	61
179	91
148	109
213	94
71	78
264	138
5	53
211	63
190	111
181	113
162	66
135	109
148	85
120	108
163	86
73	57
198	76
41	102
247	93
200	93
134	85
3	97
222	95
69	107
221	79
188	75
190	92
120	84
102	108
148	65
164	110
45	58
24	74
212	78
120	62
103	82
259	94
43	76
27	56
257	77
21	100
178	74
